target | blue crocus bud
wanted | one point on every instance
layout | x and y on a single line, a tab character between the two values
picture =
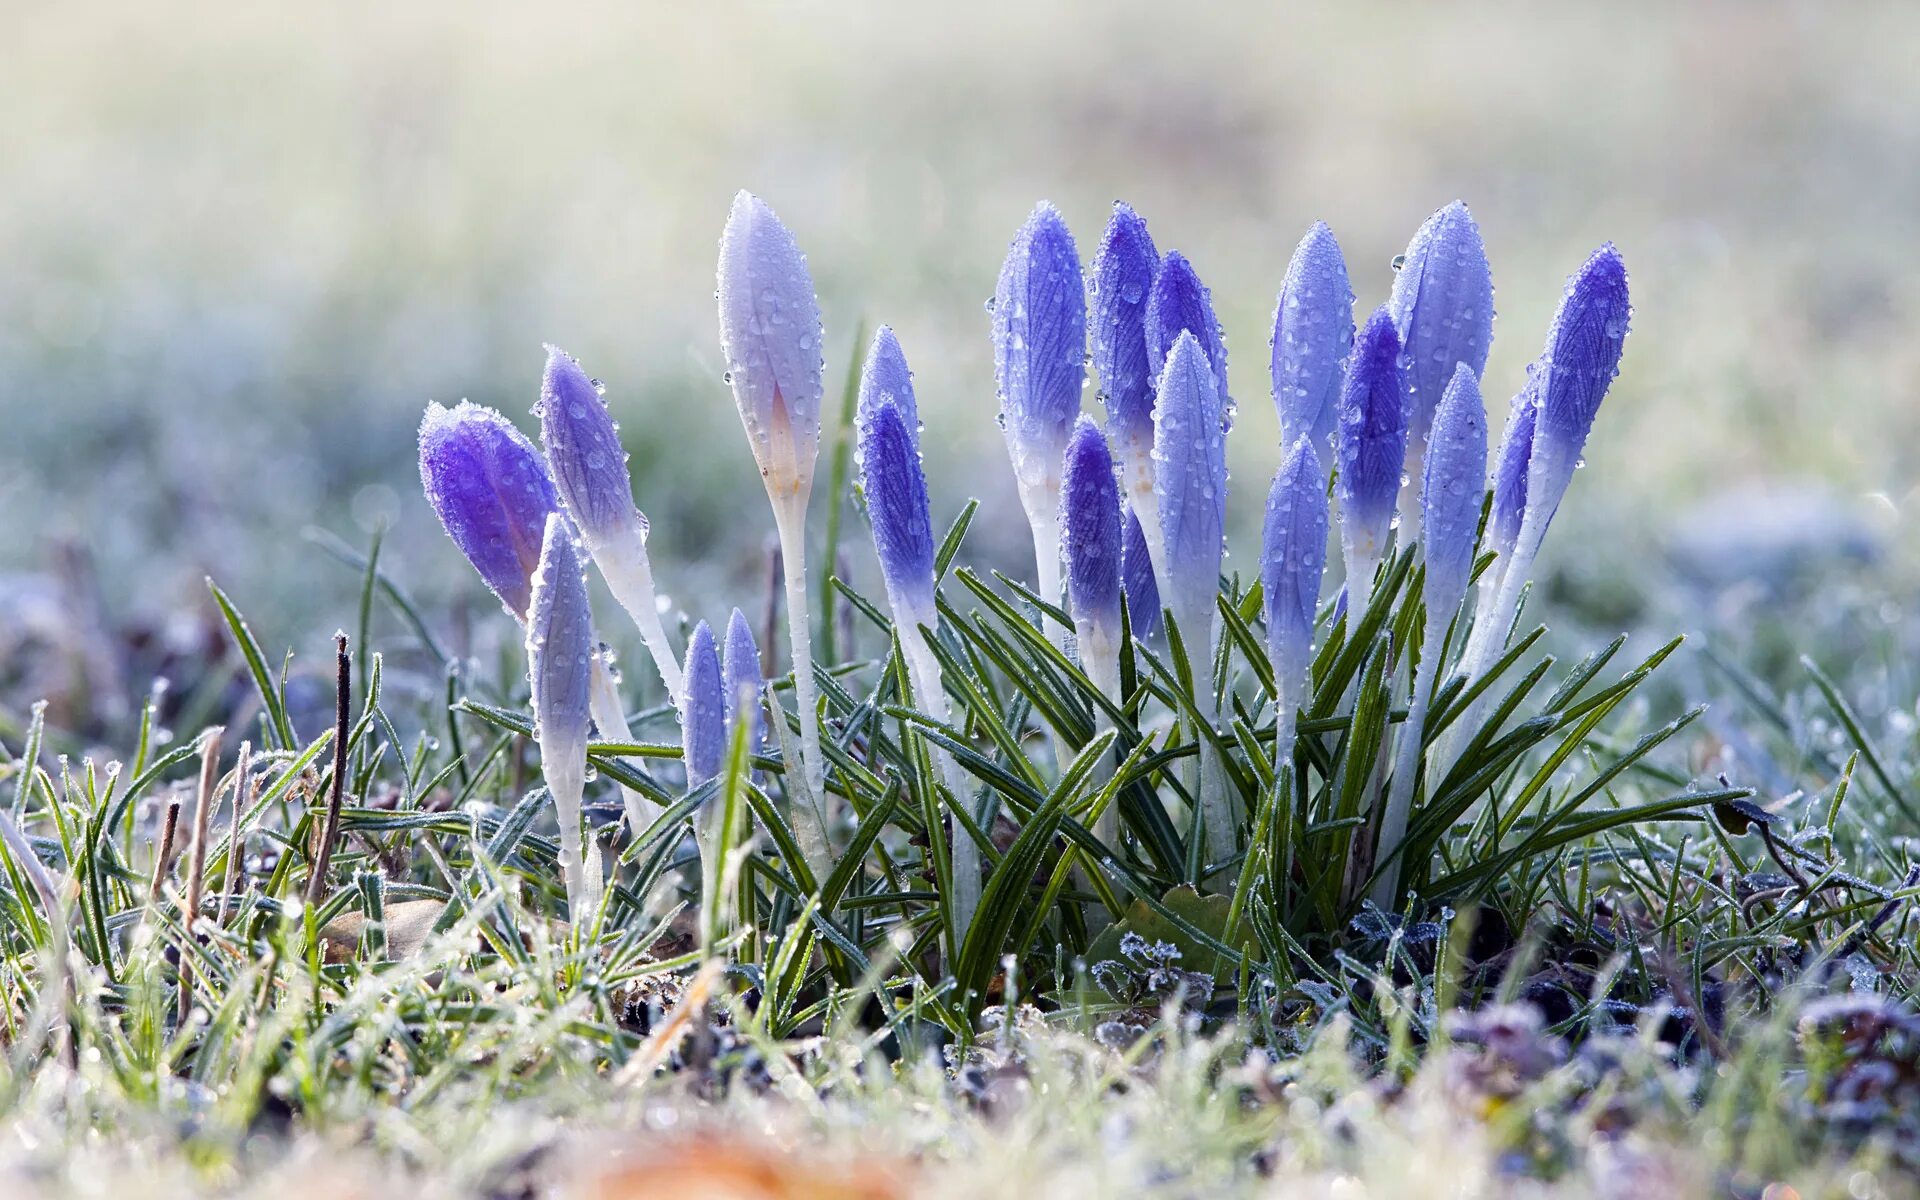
1039	357
740	664
770	334
703	710
1372	443
1091	525
560	657
886	375
1581	360
896	490
1452	490
1510	474
1293	558
492	493
1179	303
1442	307
1190	484
1136	577
1123	273
590	472
1312	338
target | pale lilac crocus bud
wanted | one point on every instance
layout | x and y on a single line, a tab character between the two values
560	655
1180	303
1312	338
1123	274
1136	576
590	473
740	664
1293	558
896	491
1372	451
1450	495
492	494
1039	356
1090	523
703	710
771	335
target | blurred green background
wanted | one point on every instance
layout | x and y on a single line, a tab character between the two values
242	246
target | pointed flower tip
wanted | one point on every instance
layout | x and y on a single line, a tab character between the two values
740	664
703	709
896	489
887	376
583	446
1442	305
1040	344
491	491
770	334
1123	274
1312	337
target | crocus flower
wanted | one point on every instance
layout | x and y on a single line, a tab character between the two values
1570	380
492	494
1136	577
886	375
1123	273
703	710
1293	557
1372	444
590	471
1450	496
770	334
1190	485
1039	358
1180	303
896	489
1312	338
560	653
1091	540
1510	474
740	664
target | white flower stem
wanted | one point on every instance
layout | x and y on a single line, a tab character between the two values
610	717
1484	644
810	815
623	564
964	853
1043	515
1393	822
1101	661
565	783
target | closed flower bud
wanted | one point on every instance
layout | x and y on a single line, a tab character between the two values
1452	491
1312	338
1180	303
560	658
1091	537
896	490
740	664
886	375
1123	274
1580	363
589	466
1190	485
1039	351
1293	558
492	493
1510	472
770	334
1372	449
703	710
1442	307
1136	577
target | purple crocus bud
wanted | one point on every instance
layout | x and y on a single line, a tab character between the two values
1179	303
1312	338
1039	352
1510	472
1452	490
492	493
770	333
583	444
1581	360
560	657
896	489
703	710
1190	484
1123	273
740	664
1136	578
886	375
1372	445
1293	558
1091	537
1442	307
